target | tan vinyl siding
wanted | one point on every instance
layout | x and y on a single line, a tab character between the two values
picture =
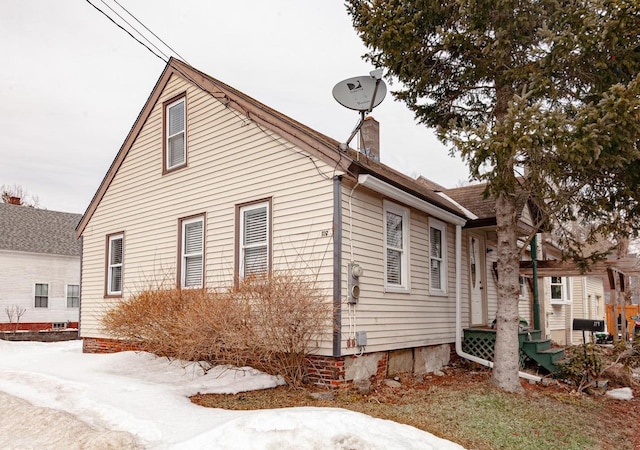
230	160
394	320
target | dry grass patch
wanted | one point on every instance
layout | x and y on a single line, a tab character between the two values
464	407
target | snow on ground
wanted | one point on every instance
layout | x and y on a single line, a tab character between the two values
54	396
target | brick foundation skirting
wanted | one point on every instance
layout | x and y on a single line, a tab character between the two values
101	345
34	326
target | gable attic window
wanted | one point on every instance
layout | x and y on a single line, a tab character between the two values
191	265
115	260
174	132
396	245
254	238
437	257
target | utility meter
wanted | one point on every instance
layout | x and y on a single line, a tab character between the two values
353	285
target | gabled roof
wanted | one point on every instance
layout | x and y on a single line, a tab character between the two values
26	229
350	162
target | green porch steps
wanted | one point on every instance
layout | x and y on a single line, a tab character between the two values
541	352
480	342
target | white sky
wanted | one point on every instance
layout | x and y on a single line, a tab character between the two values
72	83
54	396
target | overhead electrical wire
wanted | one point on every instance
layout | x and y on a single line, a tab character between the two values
165	58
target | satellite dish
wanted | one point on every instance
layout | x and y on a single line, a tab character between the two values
360	93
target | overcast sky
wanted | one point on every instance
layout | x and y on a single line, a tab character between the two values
72	83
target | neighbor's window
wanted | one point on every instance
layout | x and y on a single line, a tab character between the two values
524	291
560	289
437	256
192	252
73	296
115	260
42	295
396	245
175	137
254	239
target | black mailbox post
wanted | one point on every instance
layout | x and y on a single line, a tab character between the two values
588	325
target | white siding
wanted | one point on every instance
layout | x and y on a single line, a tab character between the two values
19	275
395	320
230	161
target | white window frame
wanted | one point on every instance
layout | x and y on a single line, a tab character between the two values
185	255
266	243
66	290
403	212
169	137
111	266
35	294
442	259
522	281
566	290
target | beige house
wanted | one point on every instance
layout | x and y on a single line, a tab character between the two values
211	185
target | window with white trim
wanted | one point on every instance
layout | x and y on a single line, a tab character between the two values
437	256
73	296
192	252
175	126
254	239
42	295
560	290
396	247
524	290
115	255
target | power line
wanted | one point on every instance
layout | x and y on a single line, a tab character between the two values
128	32
154	35
134	28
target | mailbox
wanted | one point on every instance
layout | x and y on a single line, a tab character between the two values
588	325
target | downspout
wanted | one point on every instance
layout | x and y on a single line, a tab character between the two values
536	295
459	351
337	265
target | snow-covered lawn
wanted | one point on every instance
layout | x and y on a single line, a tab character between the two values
54	396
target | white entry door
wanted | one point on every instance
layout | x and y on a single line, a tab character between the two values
477	280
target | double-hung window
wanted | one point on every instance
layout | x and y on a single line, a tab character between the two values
560	290
42	295
255	236
192	252
396	245
115	261
175	155
73	296
437	256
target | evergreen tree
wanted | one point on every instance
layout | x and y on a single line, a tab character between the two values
540	97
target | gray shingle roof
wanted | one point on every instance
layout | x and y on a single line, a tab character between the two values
26	229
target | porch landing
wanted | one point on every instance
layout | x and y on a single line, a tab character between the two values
481	341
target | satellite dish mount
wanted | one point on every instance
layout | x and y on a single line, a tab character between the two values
361	94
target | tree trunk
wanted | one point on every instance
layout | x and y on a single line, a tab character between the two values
507	352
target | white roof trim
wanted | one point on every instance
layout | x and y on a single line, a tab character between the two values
469	214
401	196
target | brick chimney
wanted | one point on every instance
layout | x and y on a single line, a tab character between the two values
370	138
15	200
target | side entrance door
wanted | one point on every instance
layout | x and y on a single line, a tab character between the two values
477	280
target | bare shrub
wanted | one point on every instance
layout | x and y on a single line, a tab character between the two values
270	323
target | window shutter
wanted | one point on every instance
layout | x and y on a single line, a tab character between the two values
255	241
193	249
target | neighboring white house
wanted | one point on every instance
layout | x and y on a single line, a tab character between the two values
40	275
